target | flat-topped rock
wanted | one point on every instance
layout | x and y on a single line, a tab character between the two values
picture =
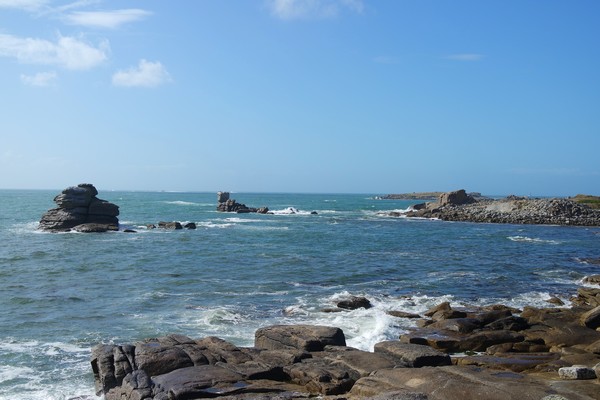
465	383
298	337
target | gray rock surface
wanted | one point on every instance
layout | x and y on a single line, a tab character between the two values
79	209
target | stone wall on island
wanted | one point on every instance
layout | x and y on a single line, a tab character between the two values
456	354
80	210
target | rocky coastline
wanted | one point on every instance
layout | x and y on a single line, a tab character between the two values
460	206
461	353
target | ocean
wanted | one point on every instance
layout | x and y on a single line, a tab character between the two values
62	293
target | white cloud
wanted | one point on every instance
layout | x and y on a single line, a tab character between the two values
146	74
67	52
28	5
40	79
105	19
465	57
301	9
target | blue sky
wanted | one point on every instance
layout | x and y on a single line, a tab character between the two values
357	96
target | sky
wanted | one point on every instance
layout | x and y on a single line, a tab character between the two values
316	96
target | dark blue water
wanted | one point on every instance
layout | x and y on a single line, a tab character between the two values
63	293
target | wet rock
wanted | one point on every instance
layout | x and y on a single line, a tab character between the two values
402	314
354	303
170	225
592	280
102	361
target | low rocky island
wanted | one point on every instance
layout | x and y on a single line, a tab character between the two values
80	210
495	352
226	204
460	206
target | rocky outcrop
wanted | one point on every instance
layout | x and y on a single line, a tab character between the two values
225	204
466	353
459	206
80	210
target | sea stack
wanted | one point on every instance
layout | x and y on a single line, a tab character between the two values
80	210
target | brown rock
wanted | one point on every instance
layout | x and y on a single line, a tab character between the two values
412	355
464	383
156	359
298	337
358	363
591	319
197	382
402	314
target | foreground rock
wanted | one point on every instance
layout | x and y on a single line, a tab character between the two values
459	206
225	204
80	210
300	361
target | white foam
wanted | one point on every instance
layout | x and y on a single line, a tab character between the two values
527	239
290	211
183	203
9	373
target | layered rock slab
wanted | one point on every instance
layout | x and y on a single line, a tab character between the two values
79	209
461	383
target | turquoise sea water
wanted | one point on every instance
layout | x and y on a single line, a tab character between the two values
60	294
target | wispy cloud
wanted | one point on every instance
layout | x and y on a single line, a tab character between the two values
146	74
306	9
27	5
41	79
67	52
105	19
465	57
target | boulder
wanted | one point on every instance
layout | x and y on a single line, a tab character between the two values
298	337
591	319
357	362
79	209
412	355
197	382
354	302
156	358
402	314
592	280
222	197
319	375
457	197
170	225
577	372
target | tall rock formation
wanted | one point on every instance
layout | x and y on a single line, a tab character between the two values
79	209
